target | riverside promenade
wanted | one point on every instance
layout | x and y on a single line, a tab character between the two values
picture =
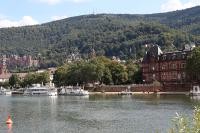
142	89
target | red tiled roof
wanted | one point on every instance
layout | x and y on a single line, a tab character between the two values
5	75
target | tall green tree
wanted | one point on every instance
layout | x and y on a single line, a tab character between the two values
14	81
118	72
132	69
193	65
59	78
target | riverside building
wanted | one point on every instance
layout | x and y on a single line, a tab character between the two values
167	68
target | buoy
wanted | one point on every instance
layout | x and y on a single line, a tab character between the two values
9	120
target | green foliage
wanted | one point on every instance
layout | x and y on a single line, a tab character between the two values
5	84
118	72
183	125
193	65
60	75
100	69
34	78
132	69
109	35
14	81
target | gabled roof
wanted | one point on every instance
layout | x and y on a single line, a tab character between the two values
154	52
5	75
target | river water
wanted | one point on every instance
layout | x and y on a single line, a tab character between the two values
94	114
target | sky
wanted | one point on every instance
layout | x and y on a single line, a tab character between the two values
15	13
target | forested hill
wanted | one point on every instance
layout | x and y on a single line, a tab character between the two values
108	34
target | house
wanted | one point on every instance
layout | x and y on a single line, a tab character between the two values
166	67
5	77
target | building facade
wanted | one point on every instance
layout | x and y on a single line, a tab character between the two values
164	67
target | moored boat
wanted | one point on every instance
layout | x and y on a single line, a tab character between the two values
195	91
73	91
126	92
38	90
6	92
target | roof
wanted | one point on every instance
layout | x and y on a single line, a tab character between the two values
5	75
22	75
154	52
177	55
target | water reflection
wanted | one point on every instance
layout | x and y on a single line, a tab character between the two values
9	127
96	113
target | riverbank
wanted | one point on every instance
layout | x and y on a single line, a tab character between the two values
140	93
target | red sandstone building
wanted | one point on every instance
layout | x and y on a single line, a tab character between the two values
167	68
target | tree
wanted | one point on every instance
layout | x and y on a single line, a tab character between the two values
60	76
42	78
107	77
14	81
132	69
118	72
35	78
193	65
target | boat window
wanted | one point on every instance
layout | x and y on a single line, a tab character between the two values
196	89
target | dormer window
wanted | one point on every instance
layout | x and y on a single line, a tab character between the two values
183	55
164	57
173	56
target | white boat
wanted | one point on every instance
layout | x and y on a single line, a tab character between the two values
38	90
4	91
125	92
195	91
73	91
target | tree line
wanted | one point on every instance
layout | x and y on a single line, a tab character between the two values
99	70
15	81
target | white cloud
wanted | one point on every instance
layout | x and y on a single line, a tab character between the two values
26	20
54	2
58	17
172	5
51	2
79	1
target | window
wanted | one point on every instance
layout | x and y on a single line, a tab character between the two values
183	65
174	75
174	66
179	76
183	55
173	56
183	74
154	76
163	67
164	57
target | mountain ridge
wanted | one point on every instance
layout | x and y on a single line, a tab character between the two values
122	35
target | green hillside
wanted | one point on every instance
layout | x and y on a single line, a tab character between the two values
120	35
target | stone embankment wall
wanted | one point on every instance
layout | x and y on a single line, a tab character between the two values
167	87
133	88
143	88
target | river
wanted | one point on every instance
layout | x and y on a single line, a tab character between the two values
94	114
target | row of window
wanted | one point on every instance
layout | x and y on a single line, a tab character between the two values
173	66
174	56
172	75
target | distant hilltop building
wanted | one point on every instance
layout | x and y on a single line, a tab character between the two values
73	57
15	61
166	67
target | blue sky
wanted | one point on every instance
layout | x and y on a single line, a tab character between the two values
29	12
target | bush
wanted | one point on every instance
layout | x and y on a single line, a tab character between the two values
183	125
